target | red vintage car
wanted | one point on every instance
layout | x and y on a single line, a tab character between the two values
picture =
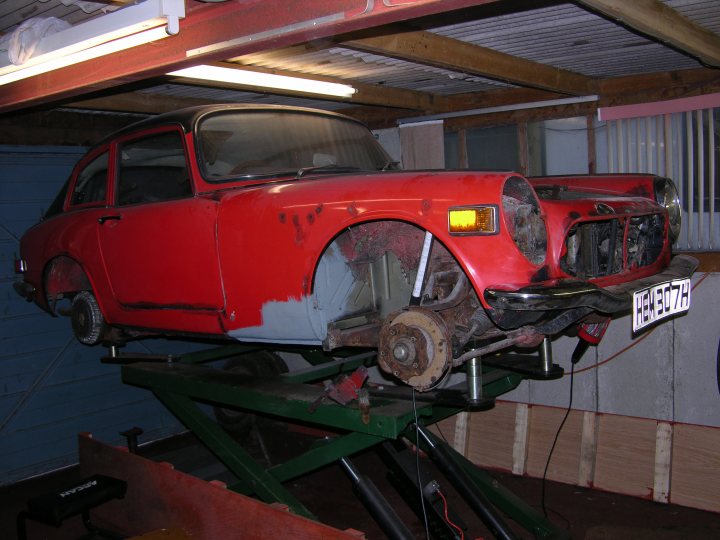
293	226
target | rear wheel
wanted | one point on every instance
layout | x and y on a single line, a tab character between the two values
87	320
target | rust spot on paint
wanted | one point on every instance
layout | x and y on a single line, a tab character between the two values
352	210
319	209
311	218
425	206
299	235
282	217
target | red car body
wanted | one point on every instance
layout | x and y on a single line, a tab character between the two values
321	251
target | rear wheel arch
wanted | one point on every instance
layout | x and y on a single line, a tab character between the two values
64	276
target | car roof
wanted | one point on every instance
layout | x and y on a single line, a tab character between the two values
188	117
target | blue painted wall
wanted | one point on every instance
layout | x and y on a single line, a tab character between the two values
51	386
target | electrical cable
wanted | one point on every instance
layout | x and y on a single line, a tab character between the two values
447	517
634	342
575	359
557	436
417	466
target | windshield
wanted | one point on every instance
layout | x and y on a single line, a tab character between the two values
272	143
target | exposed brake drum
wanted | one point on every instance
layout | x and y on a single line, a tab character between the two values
415	347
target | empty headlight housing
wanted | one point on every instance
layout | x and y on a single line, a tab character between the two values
666	194
521	212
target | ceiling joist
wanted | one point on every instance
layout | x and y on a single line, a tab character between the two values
439	51
661	22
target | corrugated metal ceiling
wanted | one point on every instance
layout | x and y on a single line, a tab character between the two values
565	36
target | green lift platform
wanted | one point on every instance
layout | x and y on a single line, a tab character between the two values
184	383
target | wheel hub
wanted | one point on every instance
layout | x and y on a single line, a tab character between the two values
414	347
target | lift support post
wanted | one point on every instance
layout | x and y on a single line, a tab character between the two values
181	384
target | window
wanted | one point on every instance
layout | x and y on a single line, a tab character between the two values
494	148
153	169
91	182
558	147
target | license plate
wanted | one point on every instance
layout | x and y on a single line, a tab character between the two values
660	302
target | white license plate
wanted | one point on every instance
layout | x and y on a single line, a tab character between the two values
660	302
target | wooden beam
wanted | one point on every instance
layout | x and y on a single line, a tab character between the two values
435	50
137	102
657	86
659	21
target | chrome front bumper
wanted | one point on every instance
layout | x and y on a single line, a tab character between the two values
613	299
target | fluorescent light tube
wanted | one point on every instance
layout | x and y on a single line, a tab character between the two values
267	80
88	54
127	27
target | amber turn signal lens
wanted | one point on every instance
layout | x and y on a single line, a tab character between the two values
475	220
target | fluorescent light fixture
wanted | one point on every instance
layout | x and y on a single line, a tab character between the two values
125	28
264	80
501	108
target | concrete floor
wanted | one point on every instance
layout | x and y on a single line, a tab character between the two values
585	514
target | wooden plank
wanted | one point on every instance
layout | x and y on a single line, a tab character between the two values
663	462
663	23
520	443
440	51
544	424
160	497
625	451
492	437
460	440
695	479
588	449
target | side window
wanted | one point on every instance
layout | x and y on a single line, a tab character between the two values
153	169
91	183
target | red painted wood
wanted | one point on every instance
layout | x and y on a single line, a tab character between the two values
159	497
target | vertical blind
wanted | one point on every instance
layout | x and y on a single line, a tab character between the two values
682	146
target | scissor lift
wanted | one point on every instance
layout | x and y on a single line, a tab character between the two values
183	383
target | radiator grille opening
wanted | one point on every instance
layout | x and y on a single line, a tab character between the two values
604	248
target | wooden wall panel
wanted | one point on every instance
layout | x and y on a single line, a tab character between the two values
695	479
491	436
626	455
642	457
565	462
445	429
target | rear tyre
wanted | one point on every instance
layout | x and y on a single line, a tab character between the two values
87	320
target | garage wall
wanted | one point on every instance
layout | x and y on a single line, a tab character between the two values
668	374
51	387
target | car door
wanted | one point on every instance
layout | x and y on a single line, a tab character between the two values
158	241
